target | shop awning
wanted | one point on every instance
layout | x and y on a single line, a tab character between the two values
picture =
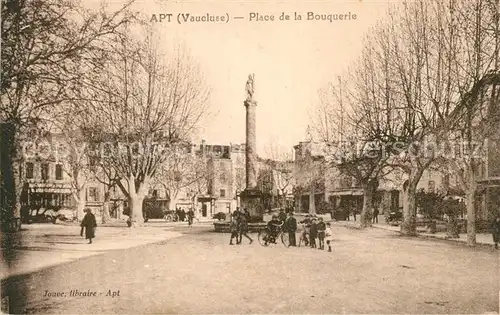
205	197
54	188
347	193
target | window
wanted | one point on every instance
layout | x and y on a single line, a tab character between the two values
59	172
223	193
92	194
45	171
29	170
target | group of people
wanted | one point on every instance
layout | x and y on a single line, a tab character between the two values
316	228
374	217
239	226
182	215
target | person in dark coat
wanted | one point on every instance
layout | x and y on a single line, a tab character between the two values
282	216
89	223
243	229
190	215
291	227
237	212
313	233
246	213
495	230
234	227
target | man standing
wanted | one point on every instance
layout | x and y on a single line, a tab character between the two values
313	233
321	233
237	212
243	229
190	215
246	213
282	216
291	227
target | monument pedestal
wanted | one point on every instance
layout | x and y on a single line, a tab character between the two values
251	199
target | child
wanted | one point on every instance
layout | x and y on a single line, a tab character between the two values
307	227
328	234
321	233
313	233
234	229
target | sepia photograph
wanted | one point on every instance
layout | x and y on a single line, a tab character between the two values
250	157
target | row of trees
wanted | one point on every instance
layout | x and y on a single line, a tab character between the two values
421	94
100	79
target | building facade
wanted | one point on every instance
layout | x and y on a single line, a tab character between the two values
317	186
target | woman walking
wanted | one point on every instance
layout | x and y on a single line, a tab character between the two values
89	223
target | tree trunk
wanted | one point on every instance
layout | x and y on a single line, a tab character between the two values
135	204
173	203
105	207
409	224
366	213
12	180
195	206
136	199
80	203
471	213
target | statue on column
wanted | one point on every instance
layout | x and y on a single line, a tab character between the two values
250	87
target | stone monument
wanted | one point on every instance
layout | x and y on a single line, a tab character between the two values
250	198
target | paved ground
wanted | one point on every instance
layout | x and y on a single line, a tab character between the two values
481	238
369	271
40	246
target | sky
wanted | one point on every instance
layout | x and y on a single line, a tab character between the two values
291	60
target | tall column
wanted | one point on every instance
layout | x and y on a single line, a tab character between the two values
251	145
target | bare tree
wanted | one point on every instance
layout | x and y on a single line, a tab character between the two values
183	171
435	68
73	152
473	118
44	44
143	108
418	60
443	72
352	119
